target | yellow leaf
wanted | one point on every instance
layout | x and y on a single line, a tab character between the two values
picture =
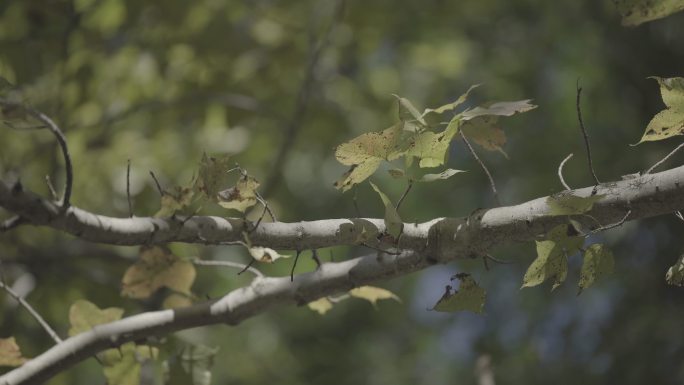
321	305
10	354
265	254
670	121
175	300
635	12
157	268
469	297
241	196
373	294
84	315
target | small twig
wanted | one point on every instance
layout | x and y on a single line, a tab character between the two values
584	133
560	172
611	226
235	265
314	256
408	188
161	192
247	267
266	206
668	156
294	264
128	189
364	244
61	139
51	188
679	215
356	204
31	310
477	158
497	260
11	223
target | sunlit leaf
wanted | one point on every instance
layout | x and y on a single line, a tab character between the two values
552	253
670	121
393	222
176	300
469	297
432	147
635	12
446	174
10	354
409	113
84	315
450	106
598	262
499	109
213	175
321	305
568	204
157	267
373	294
176	200
675	274
241	196
265	254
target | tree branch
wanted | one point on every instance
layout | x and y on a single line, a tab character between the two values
439	241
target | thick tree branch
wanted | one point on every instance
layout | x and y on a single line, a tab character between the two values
441	240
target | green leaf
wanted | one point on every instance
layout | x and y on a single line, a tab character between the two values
174	201
499	109
393	222
450	106
598	262
675	274
212	176
10	354
431	147
321	305
373	294
446	174
365	153
635	12
568	204
157	268
670	121
84	315
265	254
484	131
552	253
241	196
469	297
122	366
409	113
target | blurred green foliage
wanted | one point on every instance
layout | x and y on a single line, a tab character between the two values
161	83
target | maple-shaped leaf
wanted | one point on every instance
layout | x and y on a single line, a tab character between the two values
241	196
552	253
635	12
84	315
670	121
157	267
598	261
175	200
469	297
373	294
10	354
567	204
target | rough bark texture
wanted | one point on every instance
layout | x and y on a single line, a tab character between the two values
438	241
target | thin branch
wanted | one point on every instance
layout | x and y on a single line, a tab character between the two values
477	158
408	189
61	139
584	133
291	129
51	188
11	223
235	265
660	162
611	226
294	264
364	244
128	189
356	204
247	266
560	172
31	310
314	256
159	188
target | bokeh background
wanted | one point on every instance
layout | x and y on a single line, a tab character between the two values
278	84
